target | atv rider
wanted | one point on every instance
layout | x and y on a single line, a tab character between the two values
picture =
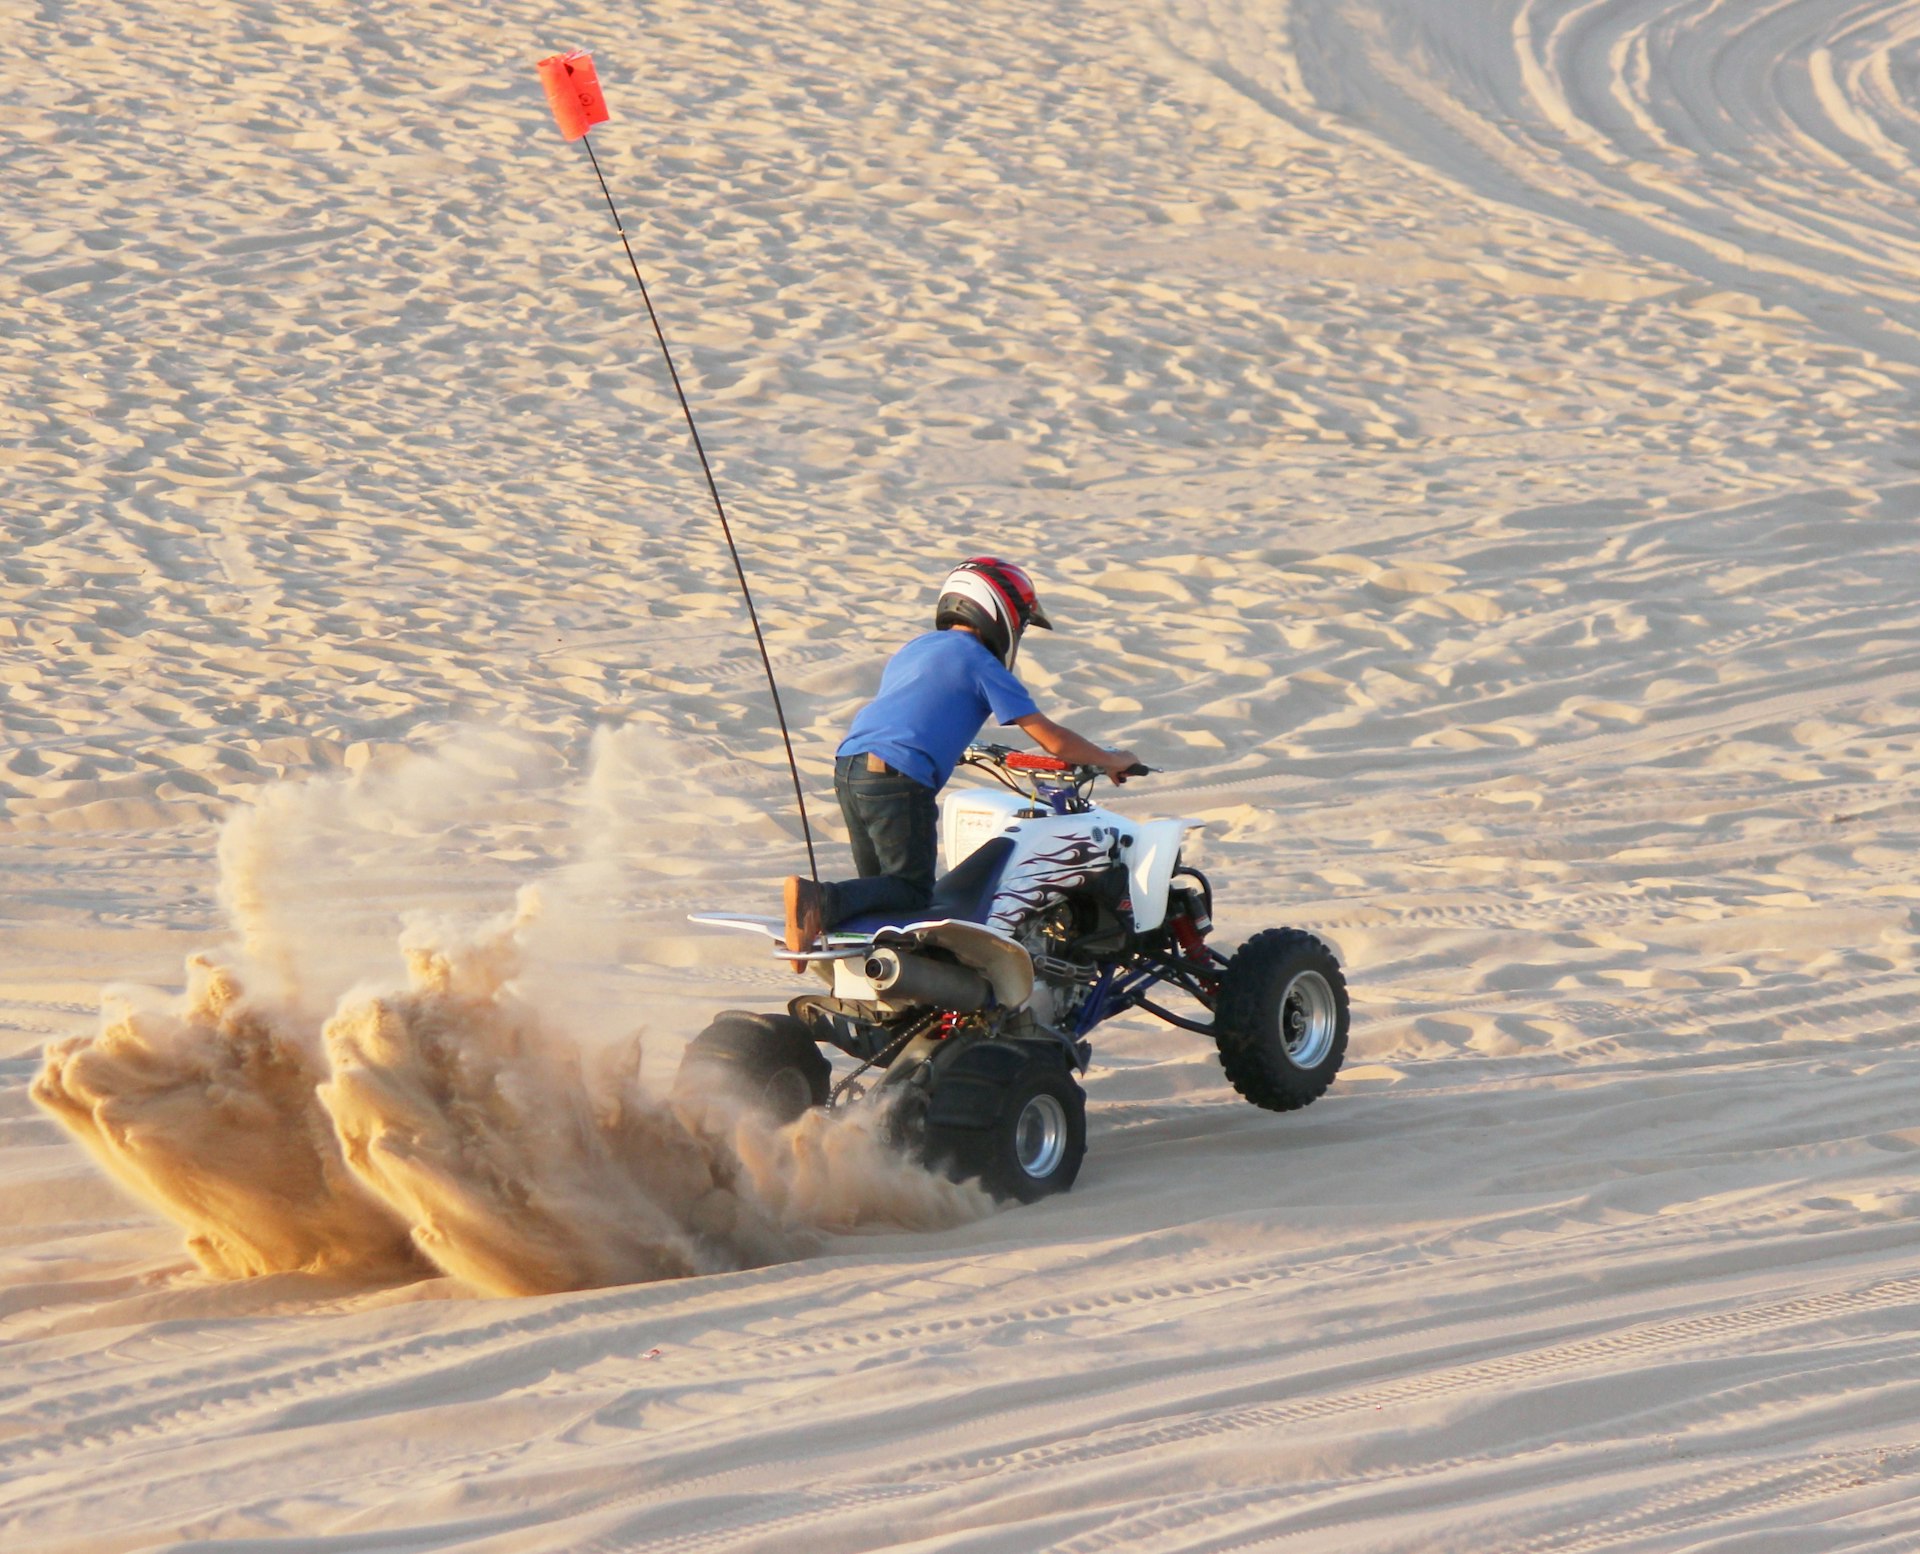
936	693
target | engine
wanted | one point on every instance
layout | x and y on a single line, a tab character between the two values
1061	981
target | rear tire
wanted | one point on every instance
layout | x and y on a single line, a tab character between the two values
766	1062
1281	1023
1032	1147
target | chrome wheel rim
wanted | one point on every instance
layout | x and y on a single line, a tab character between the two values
1308	1019
1040	1136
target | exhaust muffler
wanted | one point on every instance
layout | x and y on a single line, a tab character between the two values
915	979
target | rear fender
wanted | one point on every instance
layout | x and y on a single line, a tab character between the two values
742	922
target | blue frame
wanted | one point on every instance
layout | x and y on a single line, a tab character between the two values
1115	993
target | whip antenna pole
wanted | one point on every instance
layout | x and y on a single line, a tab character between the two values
573	90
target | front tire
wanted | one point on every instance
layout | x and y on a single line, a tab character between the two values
1281	1023
1032	1146
767	1062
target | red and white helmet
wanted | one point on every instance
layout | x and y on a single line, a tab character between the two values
996	599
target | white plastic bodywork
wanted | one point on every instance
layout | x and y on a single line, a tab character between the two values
742	922
1150	860
970	817
1052	854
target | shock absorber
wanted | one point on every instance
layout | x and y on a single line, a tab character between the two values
1190	924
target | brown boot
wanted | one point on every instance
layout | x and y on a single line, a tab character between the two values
804	916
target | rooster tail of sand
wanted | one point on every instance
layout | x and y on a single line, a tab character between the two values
206	1110
443	1119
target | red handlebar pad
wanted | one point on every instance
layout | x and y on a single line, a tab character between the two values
1025	761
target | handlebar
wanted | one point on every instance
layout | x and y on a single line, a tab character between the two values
1036	764
1027	761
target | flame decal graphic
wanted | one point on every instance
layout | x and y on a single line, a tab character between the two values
1040	878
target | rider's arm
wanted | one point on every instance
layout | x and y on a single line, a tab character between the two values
1065	745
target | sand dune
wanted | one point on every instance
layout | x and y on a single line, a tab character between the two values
1467	442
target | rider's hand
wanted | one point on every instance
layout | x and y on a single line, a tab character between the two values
1115	763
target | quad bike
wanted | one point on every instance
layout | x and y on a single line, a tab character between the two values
969	1024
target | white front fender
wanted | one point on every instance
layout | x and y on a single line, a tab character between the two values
1150	862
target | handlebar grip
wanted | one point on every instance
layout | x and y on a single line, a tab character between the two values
1138	769
1029	761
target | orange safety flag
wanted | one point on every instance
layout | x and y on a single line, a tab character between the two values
573	91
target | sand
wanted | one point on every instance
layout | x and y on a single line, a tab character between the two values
1467	443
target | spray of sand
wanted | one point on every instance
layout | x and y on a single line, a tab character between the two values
207	1110
444	1110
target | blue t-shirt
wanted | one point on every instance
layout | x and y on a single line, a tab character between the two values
936	693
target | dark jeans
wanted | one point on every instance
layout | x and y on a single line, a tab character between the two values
892	823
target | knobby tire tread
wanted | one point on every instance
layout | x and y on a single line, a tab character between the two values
1244	1023
986	1154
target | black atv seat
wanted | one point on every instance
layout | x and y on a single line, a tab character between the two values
964	893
